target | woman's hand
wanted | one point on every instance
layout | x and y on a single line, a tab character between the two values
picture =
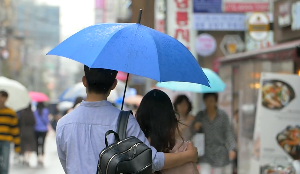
232	155
197	126
192	152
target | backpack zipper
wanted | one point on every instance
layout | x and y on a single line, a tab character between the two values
135	145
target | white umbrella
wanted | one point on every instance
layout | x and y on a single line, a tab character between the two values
79	90
65	105
18	98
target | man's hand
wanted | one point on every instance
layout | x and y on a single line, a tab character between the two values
192	152
197	126
232	155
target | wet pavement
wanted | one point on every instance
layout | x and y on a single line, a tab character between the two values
52	163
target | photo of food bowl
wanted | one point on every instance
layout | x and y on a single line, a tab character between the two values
276	94
277	169
289	141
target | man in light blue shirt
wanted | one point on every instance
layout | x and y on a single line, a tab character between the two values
81	133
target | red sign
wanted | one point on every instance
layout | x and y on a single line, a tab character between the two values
246	7
182	31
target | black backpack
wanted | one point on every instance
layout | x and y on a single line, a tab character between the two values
127	155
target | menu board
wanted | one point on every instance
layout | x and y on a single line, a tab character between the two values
277	129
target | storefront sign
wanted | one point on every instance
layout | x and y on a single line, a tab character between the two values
219	22
232	44
259	26
99	4
179	21
207	6
206	45
296	16
284	18
252	44
242	6
246	7
277	107
105	11
160	16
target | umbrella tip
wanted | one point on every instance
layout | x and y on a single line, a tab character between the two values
140	16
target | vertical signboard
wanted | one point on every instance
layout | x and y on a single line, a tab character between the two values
277	129
180	26
179	22
160	15
105	12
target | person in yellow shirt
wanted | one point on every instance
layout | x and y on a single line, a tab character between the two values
9	132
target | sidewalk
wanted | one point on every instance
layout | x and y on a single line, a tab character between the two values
52	163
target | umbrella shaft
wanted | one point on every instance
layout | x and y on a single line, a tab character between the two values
125	91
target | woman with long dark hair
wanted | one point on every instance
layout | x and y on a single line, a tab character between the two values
41	128
183	107
159	123
27	123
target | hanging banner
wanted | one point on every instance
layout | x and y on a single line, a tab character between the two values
104	12
207	6
219	21
277	129
160	16
179	22
242	6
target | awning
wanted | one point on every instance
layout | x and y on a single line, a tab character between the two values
246	55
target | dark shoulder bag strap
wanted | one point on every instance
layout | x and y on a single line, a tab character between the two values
122	124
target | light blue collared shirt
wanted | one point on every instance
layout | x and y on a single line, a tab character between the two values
80	136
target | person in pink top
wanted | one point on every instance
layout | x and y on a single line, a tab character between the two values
160	124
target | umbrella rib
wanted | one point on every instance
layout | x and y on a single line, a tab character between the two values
156	53
108	42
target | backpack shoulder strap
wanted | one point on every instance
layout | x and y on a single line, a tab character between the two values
122	124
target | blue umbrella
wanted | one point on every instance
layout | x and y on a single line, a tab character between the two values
61	97
135	49
216	84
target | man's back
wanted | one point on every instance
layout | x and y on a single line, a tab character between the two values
80	136
9	130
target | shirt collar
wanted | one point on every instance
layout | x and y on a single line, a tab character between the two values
95	104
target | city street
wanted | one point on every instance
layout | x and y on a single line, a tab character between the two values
52	164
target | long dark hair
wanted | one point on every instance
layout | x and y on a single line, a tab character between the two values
40	106
157	120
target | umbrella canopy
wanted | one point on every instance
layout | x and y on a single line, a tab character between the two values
134	100
38	96
79	90
65	105
129	92
134	49
216	84
18	98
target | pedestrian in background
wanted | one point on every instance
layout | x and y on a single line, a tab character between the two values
9	132
41	128
183	106
26	124
76	103
220	144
